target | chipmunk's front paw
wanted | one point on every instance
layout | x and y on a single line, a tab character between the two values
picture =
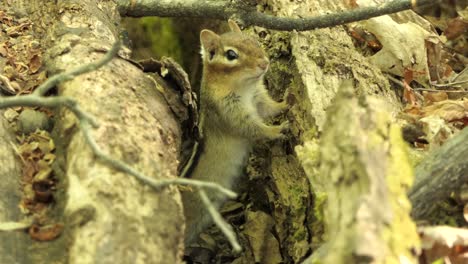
283	129
283	106
285	126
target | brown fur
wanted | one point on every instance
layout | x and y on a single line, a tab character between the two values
234	104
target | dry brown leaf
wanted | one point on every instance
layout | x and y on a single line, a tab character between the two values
46	233
35	63
449	110
29	170
264	245
436	130
43	191
403	47
437	60
3	50
18	30
445	241
408	92
414	110
456	27
49	158
432	97
352	4
10	114
43	174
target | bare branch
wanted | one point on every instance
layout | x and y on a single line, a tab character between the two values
247	15
219	221
87	121
50	102
66	76
157	184
439	175
15	226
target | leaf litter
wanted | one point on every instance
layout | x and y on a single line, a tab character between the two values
21	71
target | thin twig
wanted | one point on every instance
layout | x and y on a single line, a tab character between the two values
157	184
66	76
437	90
400	83
219	221
462	73
50	102
15	226
248	15
87	121
450	84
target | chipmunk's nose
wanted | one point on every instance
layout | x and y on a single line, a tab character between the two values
263	64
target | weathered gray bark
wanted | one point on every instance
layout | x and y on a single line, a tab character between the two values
109	217
440	174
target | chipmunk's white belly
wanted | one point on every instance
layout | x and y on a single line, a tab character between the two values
222	160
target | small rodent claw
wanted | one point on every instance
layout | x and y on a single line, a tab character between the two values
284	106
288	98
285	126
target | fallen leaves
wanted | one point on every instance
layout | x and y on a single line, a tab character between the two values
400	53
444	242
45	233
21	60
439	119
36	153
20	55
265	246
449	110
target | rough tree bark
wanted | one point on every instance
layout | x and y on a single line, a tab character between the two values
109	217
441	173
364	174
311	66
12	245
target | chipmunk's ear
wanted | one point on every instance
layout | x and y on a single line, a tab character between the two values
233	26
208	38
209	41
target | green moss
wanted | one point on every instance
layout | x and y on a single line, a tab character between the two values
415	156
153	37
165	42
318	229
401	234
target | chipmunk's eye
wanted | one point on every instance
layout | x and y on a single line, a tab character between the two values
231	55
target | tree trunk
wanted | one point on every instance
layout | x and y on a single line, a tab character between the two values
311	66
109	217
364	176
12	244
336	179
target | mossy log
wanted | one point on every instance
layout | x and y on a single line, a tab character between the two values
108	216
364	174
439	175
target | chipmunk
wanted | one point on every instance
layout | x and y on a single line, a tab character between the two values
234	104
